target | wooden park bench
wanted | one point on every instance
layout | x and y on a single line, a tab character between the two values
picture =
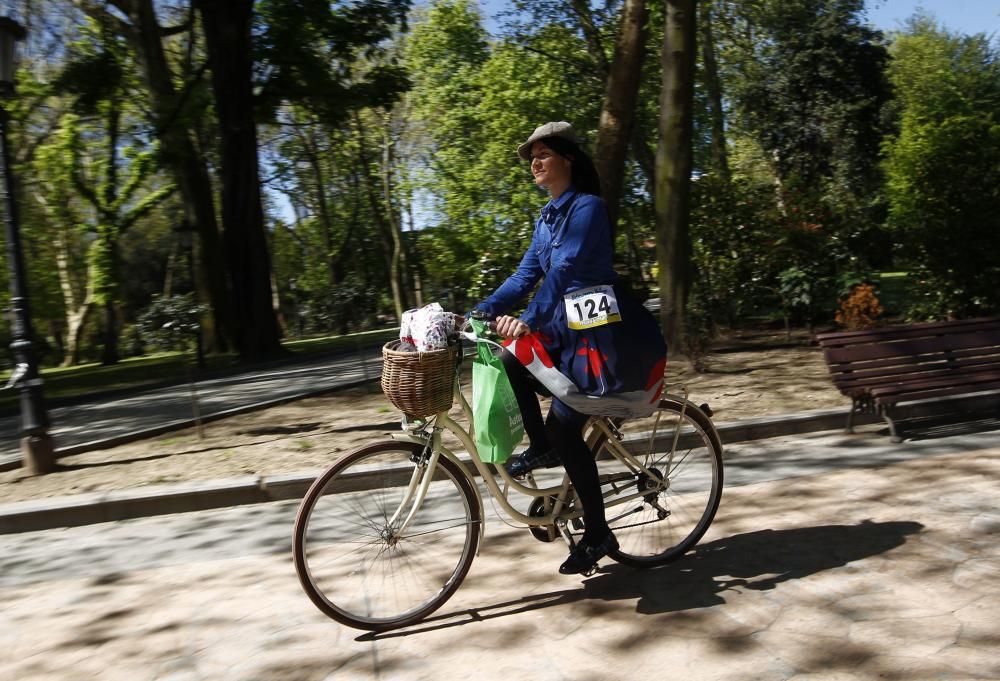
884	367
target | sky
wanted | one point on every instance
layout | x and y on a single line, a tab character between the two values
964	16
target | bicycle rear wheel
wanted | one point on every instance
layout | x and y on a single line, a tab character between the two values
661	526
350	556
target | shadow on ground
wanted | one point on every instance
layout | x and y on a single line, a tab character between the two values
754	560
948	425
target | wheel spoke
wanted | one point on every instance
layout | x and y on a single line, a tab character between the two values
684	490
356	567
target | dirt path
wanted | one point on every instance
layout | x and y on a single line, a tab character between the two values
309	434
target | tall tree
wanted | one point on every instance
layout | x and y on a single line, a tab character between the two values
227	25
375	176
172	115
477	102
812	92
673	167
106	163
54	187
805	88
713	92
116	202
614	131
943	168
615	78
322	67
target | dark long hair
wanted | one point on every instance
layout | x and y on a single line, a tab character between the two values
583	173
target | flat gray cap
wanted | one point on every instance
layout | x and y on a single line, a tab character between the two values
558	129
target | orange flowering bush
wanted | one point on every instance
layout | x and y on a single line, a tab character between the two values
861	309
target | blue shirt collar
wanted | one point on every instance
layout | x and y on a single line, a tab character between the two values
555	208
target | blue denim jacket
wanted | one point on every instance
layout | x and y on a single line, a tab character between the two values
571	247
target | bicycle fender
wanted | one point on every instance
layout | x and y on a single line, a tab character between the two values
706	420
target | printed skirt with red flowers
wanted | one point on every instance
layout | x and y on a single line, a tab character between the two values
623	357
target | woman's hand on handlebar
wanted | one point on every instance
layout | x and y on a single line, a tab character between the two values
511	327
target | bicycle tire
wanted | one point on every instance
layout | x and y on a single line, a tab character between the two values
647	537
347	558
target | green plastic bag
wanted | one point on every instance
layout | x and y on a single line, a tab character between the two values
495	414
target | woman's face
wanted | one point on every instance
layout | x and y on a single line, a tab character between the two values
549	168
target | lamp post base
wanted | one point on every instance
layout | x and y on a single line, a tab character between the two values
38	454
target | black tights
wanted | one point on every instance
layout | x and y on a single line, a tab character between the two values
565	434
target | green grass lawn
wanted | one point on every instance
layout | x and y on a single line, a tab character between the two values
86	379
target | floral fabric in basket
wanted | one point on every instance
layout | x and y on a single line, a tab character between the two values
426	329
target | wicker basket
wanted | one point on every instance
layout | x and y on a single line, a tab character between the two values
418	383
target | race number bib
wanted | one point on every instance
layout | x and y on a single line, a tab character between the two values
591	307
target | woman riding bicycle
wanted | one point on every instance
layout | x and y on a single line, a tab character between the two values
581	318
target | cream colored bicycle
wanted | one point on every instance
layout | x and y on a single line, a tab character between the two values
386	535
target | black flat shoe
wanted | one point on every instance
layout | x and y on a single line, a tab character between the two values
584	556
529	460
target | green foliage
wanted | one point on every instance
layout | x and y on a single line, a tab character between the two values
72	165
332	308
734	256
171	322
806	85
795	286
307	52
92	76
813	93
474	115
943	168
366	125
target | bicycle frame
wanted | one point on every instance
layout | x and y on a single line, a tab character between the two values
423	474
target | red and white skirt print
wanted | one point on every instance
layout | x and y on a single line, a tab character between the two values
615	369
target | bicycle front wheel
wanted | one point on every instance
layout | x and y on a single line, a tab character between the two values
354	558
681	450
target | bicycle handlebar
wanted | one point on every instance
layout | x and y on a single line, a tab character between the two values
461	321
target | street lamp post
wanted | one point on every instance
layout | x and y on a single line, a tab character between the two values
37	448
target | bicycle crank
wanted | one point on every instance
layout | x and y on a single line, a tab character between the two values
539	509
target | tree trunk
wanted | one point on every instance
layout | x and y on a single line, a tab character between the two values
58	342
618	111
385	230
186	164
168	279
312	154
399	264
76	320
720	156
227	26
76	313
109	340
109	280
673	167
592	35
413	264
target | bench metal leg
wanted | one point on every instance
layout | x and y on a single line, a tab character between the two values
859	405
895	434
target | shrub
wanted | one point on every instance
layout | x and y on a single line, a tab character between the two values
860	309
171	322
